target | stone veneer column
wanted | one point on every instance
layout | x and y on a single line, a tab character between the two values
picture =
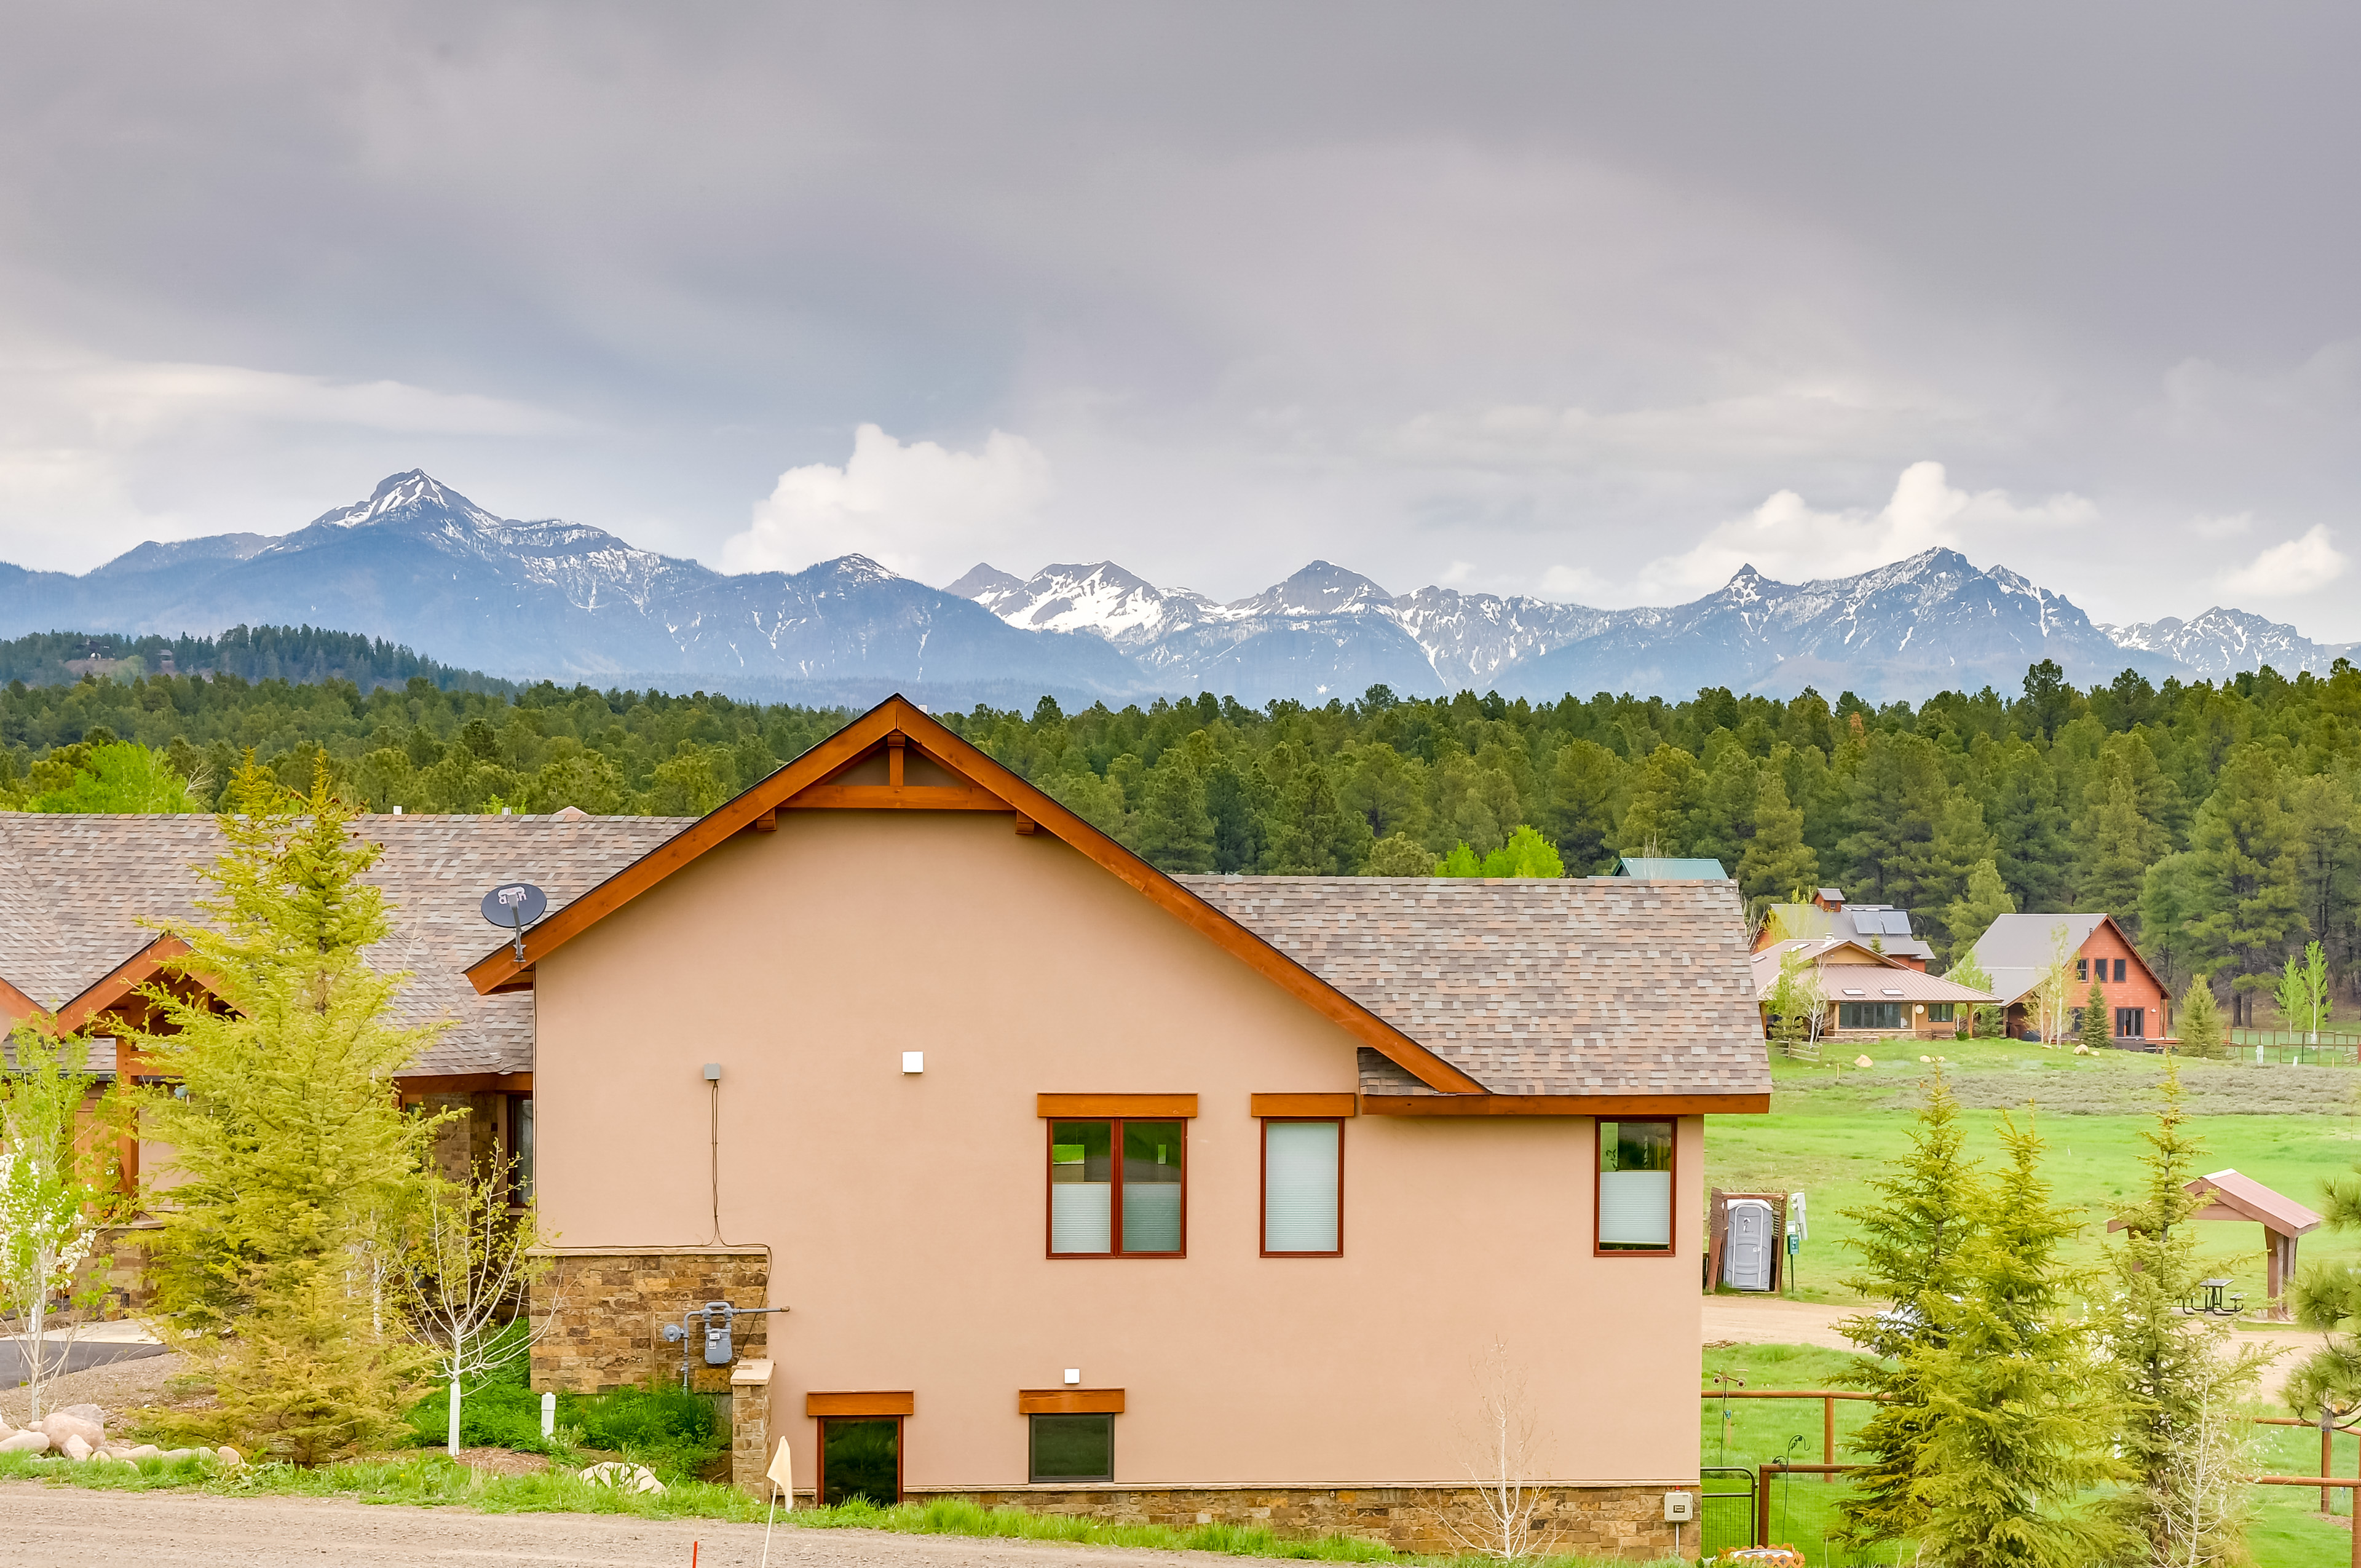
750	1429
609	1306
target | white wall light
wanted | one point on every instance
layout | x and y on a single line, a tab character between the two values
914	1061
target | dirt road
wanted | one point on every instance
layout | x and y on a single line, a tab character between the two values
66	1527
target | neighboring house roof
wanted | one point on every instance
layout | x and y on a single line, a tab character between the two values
75	887
1572	986
1666	869
1852	972
2016	948
1469	975
1881	923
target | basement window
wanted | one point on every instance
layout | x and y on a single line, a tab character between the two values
1072	1447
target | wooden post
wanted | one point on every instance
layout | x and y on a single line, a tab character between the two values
1828	1438
1762	1505
2326	1496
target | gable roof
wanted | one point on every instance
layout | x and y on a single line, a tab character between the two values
2238	1196
75	887
1886	980
1282	939
986	786
1887	926
2016	948
1537	987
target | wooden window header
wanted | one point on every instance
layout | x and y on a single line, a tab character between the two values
1070	1401
1142	1107
1305	1104
898	1403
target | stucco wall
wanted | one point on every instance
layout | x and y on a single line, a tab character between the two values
906	1215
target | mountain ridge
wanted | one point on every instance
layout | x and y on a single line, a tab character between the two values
419	564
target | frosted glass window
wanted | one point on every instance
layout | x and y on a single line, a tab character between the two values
1081	1187
1102	1206
1635	1186
1301	1189
1151	1186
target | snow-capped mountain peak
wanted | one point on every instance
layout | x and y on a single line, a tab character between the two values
2222	641
1101	598
1321	589
399	495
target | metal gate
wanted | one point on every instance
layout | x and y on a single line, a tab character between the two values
1724	1509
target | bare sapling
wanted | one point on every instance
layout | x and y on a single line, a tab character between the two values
462	1278
1501	1447
59	1189
2209	1486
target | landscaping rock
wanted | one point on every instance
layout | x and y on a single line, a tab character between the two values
624	1477
229	1457
60	1425
91	1413
76	1449
25	1443
145	1451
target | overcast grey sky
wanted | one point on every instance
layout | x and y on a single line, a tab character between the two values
1595	302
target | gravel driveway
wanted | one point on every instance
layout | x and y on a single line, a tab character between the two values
67	1526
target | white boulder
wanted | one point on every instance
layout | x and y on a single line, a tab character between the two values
624	1477
229	1457
76	1449
60	1425
25	1442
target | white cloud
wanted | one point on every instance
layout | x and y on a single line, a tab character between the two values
2228	527
2302	565
1787	539
917	509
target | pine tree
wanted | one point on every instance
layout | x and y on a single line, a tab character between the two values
2018	1422
1776	860
1311	834
2098	1029
1912	1242
2114	844
295	1153
1585	783
1400	855
1176	833
2242	870
2021	807
2167	905
1971	914
2169	1373
2200	1022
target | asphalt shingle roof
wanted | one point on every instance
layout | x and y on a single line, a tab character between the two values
1591	985
2016	948
73	890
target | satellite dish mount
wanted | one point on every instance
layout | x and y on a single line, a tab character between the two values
514	906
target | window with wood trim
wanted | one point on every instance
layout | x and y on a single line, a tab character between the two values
1118	1189
1069	1448
1635	1212
1303	1187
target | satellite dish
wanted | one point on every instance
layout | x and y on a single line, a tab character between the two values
515	906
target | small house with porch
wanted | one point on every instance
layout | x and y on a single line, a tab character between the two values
1882	927
1866	994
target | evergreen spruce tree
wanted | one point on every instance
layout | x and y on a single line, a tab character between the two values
2114	844
2018	1423
2170	1374
1971	915
1585	783
2200	1024
2098	1029
2028	826
2167	902
2242	872
296	1155
1400	855
1912	1245
1176	833
1776	860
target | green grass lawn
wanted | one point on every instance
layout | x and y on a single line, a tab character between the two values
1832	1127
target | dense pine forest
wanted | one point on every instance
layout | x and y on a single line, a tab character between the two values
2219	823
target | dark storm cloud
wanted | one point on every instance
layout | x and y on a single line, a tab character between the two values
1534	297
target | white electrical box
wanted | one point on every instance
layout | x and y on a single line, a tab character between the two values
1073	1375
1680	1507
914	1061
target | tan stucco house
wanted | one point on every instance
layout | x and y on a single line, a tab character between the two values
1087	1187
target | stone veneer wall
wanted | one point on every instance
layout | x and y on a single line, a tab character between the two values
1597	1521
611	1307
